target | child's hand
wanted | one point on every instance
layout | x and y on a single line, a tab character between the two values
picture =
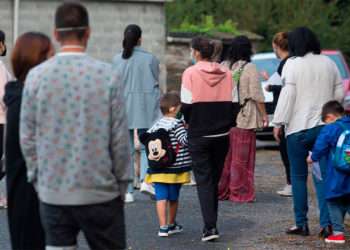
309	160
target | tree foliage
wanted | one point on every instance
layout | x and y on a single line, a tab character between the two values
330	19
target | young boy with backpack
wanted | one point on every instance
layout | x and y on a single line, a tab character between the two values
334	141
169	162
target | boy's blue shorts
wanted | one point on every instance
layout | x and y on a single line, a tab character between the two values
165	191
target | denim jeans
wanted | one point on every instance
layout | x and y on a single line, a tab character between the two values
338	208
298	146
143	163
320	193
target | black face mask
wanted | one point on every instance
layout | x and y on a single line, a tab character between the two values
4	52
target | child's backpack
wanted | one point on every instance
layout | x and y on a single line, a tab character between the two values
159	150
341	156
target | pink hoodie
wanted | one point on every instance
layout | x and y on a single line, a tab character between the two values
207	82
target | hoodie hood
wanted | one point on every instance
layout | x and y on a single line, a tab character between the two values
13	92
211	73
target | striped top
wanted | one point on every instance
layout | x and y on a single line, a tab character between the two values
178	137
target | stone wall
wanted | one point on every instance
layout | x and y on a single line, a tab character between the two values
108	19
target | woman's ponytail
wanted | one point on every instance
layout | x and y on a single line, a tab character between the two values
132	35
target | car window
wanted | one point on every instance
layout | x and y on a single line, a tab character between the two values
340	64
268	65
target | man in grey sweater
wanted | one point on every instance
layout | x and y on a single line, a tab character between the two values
75	140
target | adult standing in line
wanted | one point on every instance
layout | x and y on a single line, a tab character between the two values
139	71
310	80
237	180
4	78
206	95
280	47
74	139
26	231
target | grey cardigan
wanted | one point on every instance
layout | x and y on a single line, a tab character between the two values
140	75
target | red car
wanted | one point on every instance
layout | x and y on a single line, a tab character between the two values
344	70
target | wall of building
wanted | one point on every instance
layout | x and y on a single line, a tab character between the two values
108	19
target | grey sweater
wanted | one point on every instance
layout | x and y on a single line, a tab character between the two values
73	131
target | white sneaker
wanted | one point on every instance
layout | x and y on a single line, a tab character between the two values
147	189
286	191
129	198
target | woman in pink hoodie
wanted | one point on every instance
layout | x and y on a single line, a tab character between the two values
206	96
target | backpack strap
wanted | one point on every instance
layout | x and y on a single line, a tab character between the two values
237	78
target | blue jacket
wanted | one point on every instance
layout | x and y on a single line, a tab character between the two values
140	75
337	184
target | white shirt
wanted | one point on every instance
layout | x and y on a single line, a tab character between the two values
4	78
309	82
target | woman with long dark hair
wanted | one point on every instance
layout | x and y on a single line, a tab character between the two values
310	80
26	231
237	180
139	71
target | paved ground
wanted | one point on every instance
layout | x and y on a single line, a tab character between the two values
258	225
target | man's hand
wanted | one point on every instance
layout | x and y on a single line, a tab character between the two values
277	132
265	121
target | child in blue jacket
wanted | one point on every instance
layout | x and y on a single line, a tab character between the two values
337	184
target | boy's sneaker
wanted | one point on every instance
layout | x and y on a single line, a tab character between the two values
163	232
147	189
286	191
175	229
210	235
337	239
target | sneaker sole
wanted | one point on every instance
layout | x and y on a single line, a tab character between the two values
335	241
175	231
163	234
210	238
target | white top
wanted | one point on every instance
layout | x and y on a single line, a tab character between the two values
309	82
4	78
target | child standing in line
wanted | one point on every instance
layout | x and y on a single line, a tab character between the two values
168	181
337	182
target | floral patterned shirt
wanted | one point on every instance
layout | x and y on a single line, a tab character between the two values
73	131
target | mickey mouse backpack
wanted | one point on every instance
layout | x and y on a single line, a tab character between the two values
341	156
159	150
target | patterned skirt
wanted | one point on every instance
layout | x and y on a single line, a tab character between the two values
237	180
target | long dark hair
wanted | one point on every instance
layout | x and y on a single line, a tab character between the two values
241	49
30	50
132	35
302	41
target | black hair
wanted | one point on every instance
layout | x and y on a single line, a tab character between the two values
302	41
73	16
332	107
132	35
2	36
240	49
204	46
169	100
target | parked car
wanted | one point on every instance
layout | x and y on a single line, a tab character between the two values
267	64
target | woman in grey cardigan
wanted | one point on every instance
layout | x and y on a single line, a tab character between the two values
139	71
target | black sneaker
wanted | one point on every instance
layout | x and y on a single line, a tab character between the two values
210	235
303	231
175	229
